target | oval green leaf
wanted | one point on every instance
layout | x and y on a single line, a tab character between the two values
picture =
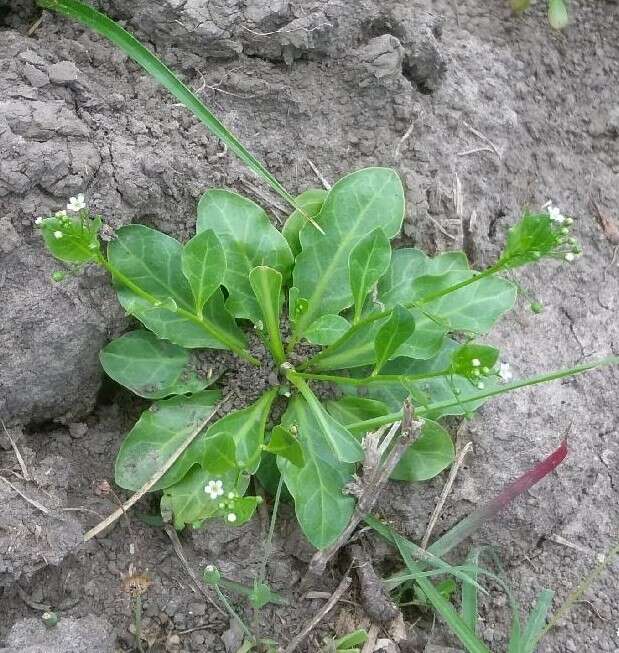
356	205
249	240
311	202
323	510
392	334
204	266
327	329
157	435
428	456
368	261
154	290
150	367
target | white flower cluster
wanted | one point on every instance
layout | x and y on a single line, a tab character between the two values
76	204
214	489
554	212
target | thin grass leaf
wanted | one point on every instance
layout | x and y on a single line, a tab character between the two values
426	558
536	622
442	606
469	608
103	25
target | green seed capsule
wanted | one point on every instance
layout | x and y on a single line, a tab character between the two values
50	619
59	276
537	307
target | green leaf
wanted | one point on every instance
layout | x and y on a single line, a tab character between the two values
79	239
428	456
322	509
392	334
311	202
154	67
249	240
267	286
473	308
262	595
368	261
349	409
296	305
468	601
328	430
557	14
190	504
473	355
218	453
350	640
284	444
536	622
150	367
157	435
357	204
204	265
431	390
153	289
246	427
327	329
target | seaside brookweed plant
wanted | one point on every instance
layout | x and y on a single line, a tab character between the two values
385	325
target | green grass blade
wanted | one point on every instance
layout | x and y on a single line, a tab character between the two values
469	607
103	25
536	622
442	606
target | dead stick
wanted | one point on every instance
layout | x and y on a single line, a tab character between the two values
20	460
320	615
444	494
374	481
154	479
180	554
32	502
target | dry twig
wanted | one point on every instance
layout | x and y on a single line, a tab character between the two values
20	460
483	138
180	553
445	493
154	479
320	615
323	181
32	502
374	480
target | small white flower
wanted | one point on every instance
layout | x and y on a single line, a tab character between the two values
39	220
61	214
57	234
209	568
231	495
555	214
505	373
214	489
569	257
76	203
475	362
231	517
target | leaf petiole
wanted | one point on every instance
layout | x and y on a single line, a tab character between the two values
374	423
378	378
208	326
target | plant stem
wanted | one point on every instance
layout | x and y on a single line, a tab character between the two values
583	586
137	621
374	423
232	612
268	544
208	326
387	312
379	378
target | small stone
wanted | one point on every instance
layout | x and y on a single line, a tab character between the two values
63	72
197	609
36	77
78	429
